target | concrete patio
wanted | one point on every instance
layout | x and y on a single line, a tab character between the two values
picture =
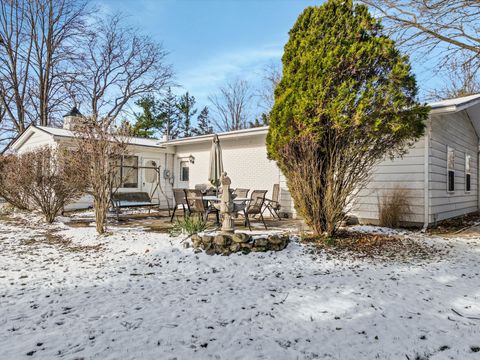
159	221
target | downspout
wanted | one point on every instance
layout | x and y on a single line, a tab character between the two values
426	176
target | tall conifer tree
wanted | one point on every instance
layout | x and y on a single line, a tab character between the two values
347	99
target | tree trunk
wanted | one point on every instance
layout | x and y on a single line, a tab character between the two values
101	215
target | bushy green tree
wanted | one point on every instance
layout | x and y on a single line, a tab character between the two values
347	99
170	115
263	120
186	110
204	125
148	122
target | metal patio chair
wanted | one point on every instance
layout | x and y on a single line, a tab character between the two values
273	204
255	207
241	193
180	200
197	205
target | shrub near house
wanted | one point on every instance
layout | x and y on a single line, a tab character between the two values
46	179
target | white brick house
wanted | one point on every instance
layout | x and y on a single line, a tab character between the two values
440	171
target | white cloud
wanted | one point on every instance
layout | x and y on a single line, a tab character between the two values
205	78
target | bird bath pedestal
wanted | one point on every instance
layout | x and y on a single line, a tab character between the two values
227	207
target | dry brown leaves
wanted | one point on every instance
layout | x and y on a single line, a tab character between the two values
356	245
454	225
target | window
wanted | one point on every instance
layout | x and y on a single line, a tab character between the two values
184	171
468	175
127	172
450	169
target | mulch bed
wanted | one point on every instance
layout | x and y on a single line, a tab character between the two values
454	225
357	245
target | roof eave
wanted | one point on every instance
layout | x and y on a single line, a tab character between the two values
209	137
456	107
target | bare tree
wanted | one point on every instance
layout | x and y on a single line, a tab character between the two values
37	46
102	145
271	76
460	81
231	105
451	27
120	65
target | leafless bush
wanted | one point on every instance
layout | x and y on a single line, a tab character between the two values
46	179
393	207
101	145
12	182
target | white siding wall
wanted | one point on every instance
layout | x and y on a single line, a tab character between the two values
457	132
407	173
244	159
37	139
164	194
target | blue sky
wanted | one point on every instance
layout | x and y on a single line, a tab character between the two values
212	41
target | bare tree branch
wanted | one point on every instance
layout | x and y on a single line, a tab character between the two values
231	105
460	81
118	66
37	47
451	28
271	76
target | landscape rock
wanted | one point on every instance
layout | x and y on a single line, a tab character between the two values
196	238
222	240
210	251
261	242
207	239
259	249
241	238
235	247
225	244
275	240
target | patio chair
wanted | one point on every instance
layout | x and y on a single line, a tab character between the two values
241	193
196	204
255	207
273	204
179	197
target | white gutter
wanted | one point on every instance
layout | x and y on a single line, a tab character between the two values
426	175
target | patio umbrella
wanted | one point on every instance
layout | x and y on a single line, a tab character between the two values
216	165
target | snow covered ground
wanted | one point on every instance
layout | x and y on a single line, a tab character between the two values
66	293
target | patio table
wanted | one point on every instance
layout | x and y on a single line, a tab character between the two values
213	198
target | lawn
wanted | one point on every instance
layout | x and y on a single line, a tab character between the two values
135	294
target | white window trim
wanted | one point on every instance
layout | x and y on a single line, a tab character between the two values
468	157
449	148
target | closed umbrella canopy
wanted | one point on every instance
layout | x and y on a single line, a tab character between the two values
216	165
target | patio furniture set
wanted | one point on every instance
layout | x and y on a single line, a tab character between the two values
201	202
